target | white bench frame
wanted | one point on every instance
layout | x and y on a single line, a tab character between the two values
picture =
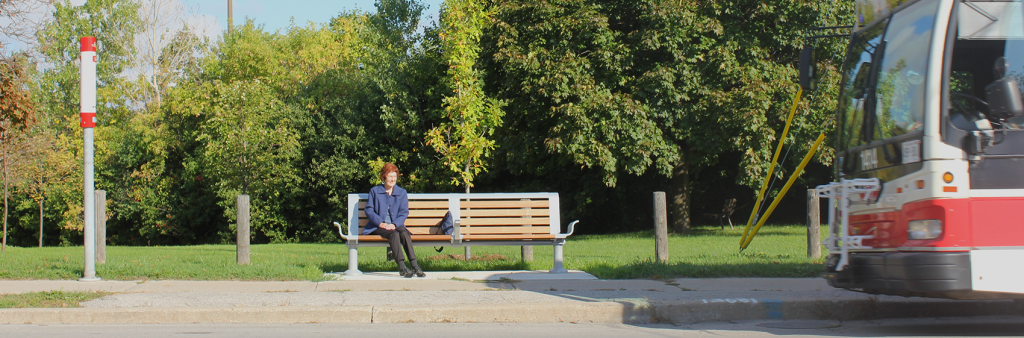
351	236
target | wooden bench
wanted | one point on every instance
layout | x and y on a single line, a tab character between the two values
488	219
727	208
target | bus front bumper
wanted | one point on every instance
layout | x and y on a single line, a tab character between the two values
903	273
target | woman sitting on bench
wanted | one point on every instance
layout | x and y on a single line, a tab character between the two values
387	207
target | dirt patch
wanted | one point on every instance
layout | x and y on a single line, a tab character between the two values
482	258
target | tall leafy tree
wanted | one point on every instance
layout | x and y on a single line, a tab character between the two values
113	23
249	145
628	86
16	108
469	117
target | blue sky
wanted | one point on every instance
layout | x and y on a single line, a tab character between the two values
275	14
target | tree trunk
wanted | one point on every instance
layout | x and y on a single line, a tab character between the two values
3	138
680	199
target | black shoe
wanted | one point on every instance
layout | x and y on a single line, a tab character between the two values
417	270
404	271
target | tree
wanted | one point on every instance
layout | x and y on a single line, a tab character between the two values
16	108
627	86
166	45
113	23
469	117
250	143
21	21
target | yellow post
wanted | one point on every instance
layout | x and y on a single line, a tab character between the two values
799	170
771	168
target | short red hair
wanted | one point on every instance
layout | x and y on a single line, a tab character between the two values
387	169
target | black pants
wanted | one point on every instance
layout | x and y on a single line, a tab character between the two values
398	239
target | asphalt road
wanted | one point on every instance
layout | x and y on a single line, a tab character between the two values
926	327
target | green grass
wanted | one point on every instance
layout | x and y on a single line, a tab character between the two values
777	251
49	299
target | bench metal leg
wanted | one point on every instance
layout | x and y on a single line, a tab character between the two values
559	267
353	262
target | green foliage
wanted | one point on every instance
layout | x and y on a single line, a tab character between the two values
250	143
56	89
602	101
469	117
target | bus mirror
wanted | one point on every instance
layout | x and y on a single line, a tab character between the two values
807	68
1004	99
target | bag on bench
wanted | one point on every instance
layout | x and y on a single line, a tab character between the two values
445	226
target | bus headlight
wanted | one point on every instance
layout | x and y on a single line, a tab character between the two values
924	229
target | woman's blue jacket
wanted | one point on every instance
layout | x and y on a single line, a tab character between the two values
378	203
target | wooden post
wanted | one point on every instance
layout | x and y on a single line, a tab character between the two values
101	226
813	225
660	227
242	239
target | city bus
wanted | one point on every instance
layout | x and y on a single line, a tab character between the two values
928	198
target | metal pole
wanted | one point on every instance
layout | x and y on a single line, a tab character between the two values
229	17
88	122
660	227
242	239
101	226
785	188
813	224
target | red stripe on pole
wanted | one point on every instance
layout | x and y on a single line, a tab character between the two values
88	44
88	120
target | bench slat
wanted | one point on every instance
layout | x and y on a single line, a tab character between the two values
504	221
504	212
497	230
475	212
411	222
375	238
418	205
506	237
415	231
417	213
483	204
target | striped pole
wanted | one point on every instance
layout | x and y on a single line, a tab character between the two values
88	114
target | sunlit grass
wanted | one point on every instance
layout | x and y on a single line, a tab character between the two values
777	251
55	298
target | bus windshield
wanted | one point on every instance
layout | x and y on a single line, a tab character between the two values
989	45
883	88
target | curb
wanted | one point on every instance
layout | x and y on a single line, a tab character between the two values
597	312
626	311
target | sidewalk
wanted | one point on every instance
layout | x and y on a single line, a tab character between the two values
479	296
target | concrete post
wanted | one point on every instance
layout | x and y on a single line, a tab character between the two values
660	227
813	225
101	226
242	239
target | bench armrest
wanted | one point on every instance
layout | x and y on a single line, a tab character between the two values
572	228
341	231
